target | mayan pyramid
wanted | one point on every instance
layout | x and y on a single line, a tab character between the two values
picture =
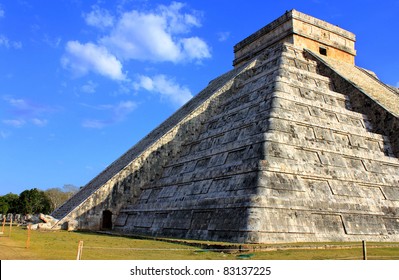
296	143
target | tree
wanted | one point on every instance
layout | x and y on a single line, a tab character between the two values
58	196
3	206
71	189
34	201
13	202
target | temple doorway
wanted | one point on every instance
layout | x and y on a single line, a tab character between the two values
107	219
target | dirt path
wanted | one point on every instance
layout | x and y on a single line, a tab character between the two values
14	250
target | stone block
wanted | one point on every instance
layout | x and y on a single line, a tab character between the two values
323	134
364	225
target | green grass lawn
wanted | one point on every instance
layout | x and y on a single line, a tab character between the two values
63	245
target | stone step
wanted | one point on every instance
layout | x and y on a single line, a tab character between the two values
289	187
231	169
328	100
314	129
240	150
267	198
307	169
219	150
341	158
299	62
322	98
305	108
254	114
246	92
348	147
242	102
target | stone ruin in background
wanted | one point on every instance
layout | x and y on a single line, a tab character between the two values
37	221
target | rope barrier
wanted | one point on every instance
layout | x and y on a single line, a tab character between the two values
163	249
326	247
199	250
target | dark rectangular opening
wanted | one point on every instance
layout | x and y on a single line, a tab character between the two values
323	51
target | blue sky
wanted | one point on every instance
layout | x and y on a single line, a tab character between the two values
82	81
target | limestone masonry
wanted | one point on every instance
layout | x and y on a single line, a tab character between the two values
296	143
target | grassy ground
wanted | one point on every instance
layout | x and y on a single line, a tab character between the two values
63	245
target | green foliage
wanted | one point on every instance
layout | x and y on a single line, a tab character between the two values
12	200
3	206
34	201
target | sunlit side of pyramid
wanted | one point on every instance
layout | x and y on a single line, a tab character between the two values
296	143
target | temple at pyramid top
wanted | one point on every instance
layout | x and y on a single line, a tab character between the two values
300	30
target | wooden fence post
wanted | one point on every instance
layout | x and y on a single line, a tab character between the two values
9	233
80	250
28	239
4	224
364	250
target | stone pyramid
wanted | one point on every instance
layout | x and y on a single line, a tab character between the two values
296	143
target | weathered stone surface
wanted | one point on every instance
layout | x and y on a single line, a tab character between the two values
284	148
48	223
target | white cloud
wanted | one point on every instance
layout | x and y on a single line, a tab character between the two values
94	123
18	103
123	109
4	134
195	48
24	112
166	87
178	22
15	122
24	107
99	17
142	37
223	36
82	58
21	122
5	42
157	36
39	122
89	87
116	113
52	42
